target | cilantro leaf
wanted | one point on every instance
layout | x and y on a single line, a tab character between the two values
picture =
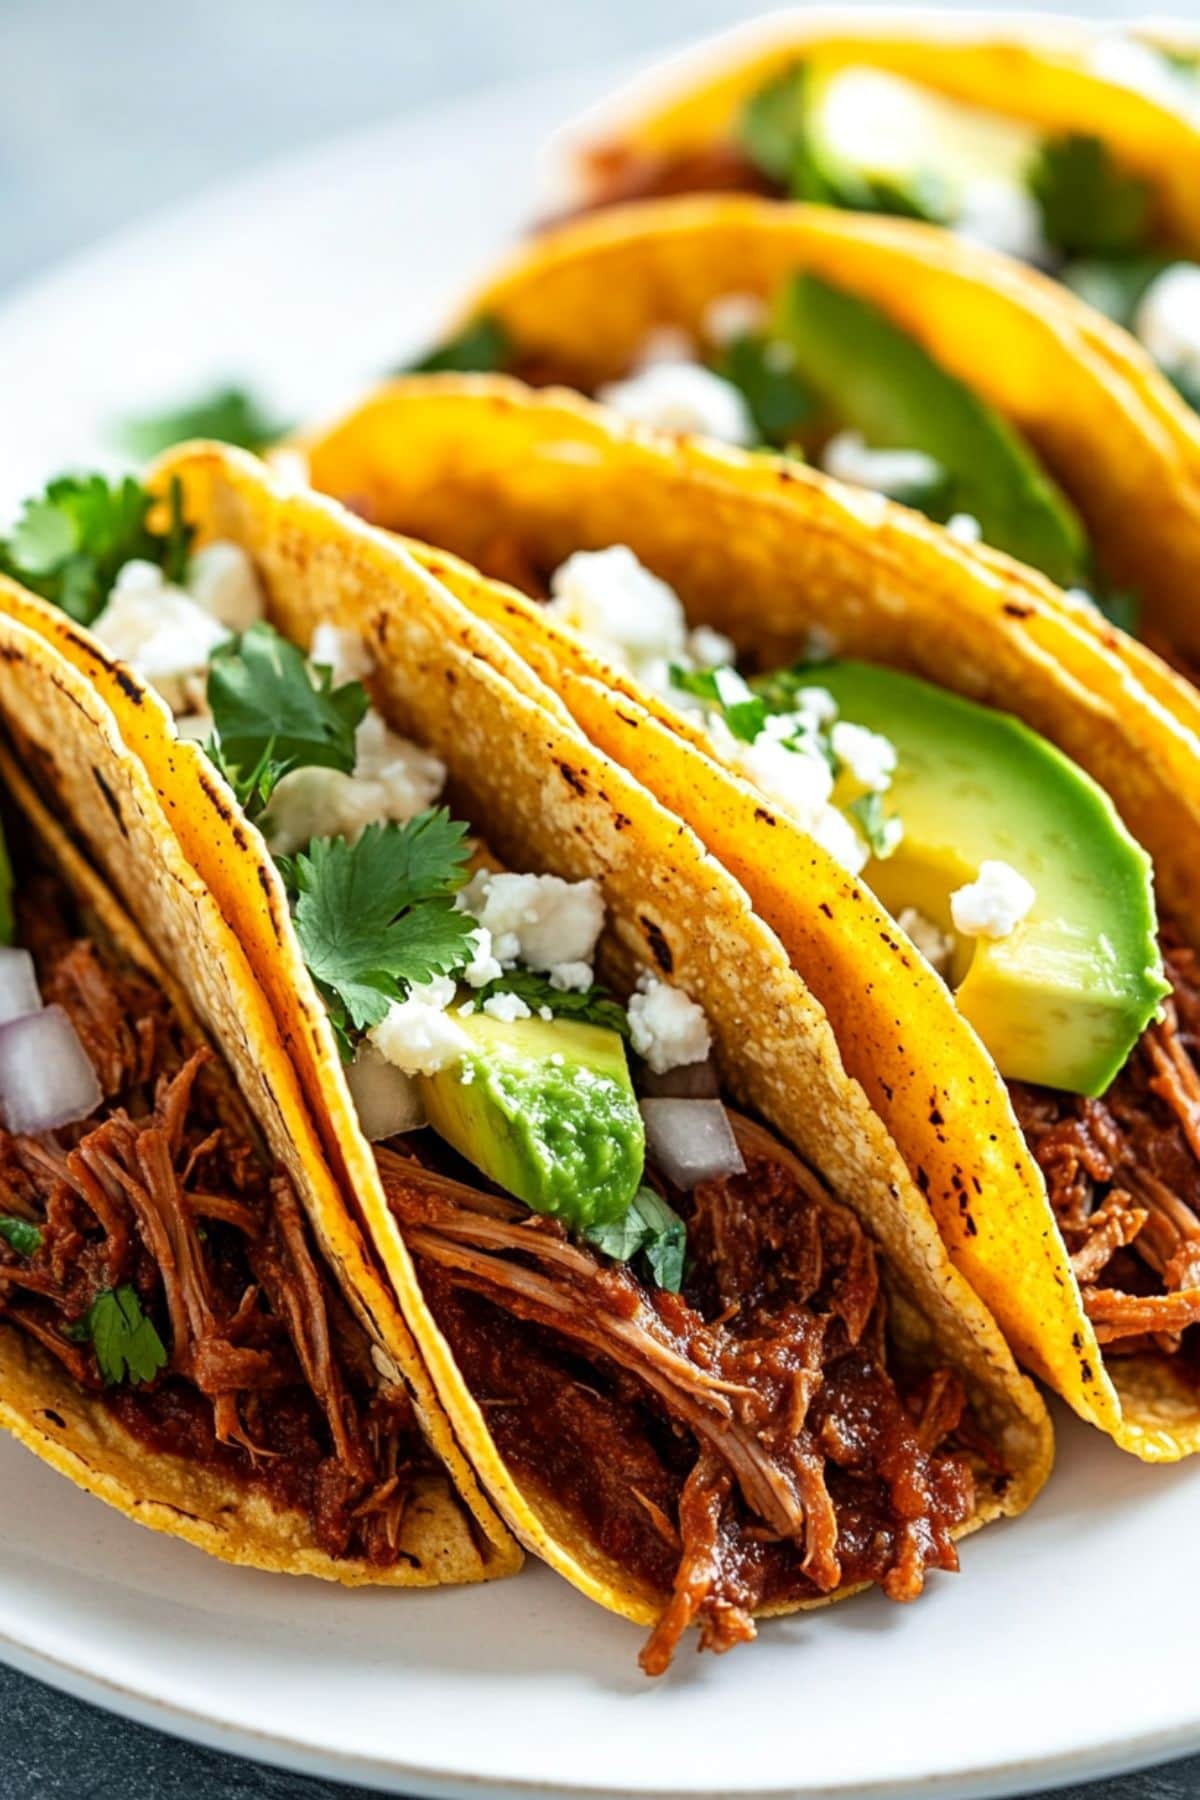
590	1006
779	688
776	134
650	1229
376	917
273	712
231	415
125	1340
21	1236
1120	606
883	833
1088	206
71	542
482	347
763	370
1116	285
743	711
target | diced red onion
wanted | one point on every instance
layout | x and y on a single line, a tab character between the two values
690	1081
387	1101
18	985
690	1141
46	1079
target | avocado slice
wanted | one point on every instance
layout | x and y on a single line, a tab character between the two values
873	377
868	125
546	1109
1063	999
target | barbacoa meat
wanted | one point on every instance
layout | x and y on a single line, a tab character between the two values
269	1376
740	1444
1123	1174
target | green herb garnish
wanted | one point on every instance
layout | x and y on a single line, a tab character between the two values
591	1006
1115	286
1088	206
124	1339
71	542
20	1235
377	917
482	347
742	710
230	415
650	1229
883	833
761	368
274	712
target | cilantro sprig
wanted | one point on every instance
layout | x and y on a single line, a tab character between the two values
71	542
377	917
761	368
590	1006
650	1230
125	1339
728	693
883	831
1089	207
482	347
21	1235
230	415
274	712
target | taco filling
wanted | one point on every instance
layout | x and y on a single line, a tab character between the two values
149	1247
825	375
677	1338
865	139
1009	870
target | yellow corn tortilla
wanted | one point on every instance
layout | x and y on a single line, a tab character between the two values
59	729
581	299
1032	70
769	554
551	803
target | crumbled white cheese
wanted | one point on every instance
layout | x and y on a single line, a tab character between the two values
682	397
1168	319
221	578
847	457
158	629
732	316
417	1035
935	946
632	617
506	1007
868	756
570	977
387	1101
965	527
545	922
483	966
836	835
342	652
994	904
1002	215
393	779
665	344
667	1028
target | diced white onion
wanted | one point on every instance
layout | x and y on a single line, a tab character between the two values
18	985
690	1081
388	1101
690	1141
46	1079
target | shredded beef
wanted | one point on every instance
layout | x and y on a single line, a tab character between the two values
1123	1174
618	173
269	1377
738	1445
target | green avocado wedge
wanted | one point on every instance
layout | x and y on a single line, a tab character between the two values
873	378
1062	999
546	1109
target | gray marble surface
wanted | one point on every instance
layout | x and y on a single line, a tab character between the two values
112	108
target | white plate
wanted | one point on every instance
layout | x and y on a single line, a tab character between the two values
1066	1649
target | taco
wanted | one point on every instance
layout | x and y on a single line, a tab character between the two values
1072	147
891	356
967	772
708	1364
190	1325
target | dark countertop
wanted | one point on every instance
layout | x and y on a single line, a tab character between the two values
107	115
52	1748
